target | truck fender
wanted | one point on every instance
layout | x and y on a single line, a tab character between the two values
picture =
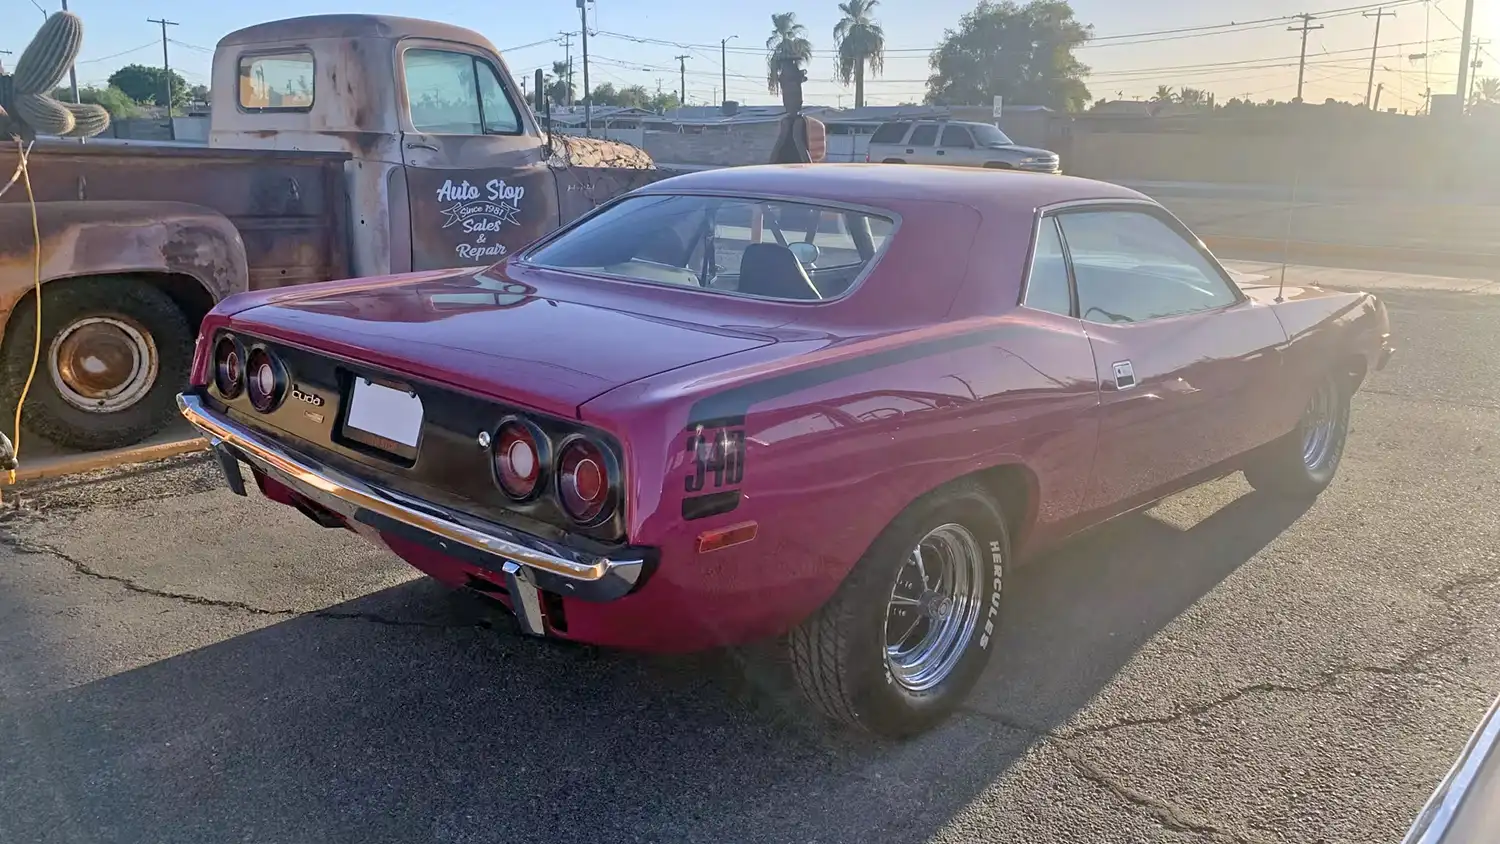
173	240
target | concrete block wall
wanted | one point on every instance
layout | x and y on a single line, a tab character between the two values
748	143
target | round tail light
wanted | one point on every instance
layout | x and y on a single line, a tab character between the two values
265	380
519	455
583	481
229	367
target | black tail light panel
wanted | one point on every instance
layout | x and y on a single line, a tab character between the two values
453	466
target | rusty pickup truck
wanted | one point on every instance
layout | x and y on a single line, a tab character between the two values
339	145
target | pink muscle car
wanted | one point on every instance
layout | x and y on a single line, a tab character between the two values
827	404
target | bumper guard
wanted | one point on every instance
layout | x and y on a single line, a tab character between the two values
527	563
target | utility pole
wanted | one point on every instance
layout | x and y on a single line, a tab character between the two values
1305	28
724	64
166	72
1474	67
588	93
682	80
568	58
1463	58
1374	50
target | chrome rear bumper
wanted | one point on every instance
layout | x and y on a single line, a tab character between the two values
527	563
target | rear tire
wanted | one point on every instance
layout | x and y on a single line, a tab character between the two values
1302	463
850	659
115	352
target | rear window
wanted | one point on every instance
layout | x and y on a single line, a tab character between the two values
890	133
277	81
771	249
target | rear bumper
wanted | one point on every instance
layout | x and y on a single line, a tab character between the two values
527	564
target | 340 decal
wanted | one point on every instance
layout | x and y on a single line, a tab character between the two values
717	457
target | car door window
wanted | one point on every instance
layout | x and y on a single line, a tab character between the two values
923	136
1047	287
1131	266
457	94
957	137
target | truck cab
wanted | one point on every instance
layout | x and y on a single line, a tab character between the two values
447	164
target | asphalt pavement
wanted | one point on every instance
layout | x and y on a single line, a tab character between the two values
179	665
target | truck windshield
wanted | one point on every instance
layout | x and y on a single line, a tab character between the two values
987	135
753	247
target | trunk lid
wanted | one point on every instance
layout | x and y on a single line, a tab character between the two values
486	334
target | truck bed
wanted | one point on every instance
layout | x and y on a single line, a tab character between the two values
289	207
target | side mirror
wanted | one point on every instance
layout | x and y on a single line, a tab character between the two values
545	107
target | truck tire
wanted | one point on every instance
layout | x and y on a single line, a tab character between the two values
1302	463
851	658
115	351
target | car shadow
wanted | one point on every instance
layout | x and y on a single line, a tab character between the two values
399	717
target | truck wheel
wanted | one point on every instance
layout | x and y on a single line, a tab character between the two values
908	633
1302	464
114	353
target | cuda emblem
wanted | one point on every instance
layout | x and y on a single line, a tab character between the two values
305	396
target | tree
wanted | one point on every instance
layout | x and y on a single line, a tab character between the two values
661	103
558	88
119	105
1164	94
1193	97
788	42
147	85
1489	90
1023	53
861	44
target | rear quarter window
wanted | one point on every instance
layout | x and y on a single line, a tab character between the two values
890	133
277	81
765	248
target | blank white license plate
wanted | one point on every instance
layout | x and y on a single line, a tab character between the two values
395	415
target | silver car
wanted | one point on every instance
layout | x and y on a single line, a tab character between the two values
1466	805
956	143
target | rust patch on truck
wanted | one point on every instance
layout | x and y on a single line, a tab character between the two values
118	238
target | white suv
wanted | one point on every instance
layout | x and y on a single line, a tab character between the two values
956	143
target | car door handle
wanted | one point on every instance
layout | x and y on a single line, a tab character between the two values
910	151
1124	375
421	145
940	152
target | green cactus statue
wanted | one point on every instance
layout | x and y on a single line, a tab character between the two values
26	104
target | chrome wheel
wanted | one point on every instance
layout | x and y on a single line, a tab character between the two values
1319	422
934	607
103	364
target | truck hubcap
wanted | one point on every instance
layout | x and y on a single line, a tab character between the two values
103	364
934	607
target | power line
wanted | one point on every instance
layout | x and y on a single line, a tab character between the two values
151	43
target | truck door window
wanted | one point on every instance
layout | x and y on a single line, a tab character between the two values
457	94
924	136
277	82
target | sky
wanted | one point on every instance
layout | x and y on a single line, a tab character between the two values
1260	62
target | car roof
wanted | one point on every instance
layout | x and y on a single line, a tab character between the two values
882	184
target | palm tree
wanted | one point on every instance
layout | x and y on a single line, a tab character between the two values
860	42
1164	94
1489	89
560	89
788	41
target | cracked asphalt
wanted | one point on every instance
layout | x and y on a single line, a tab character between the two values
178	665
